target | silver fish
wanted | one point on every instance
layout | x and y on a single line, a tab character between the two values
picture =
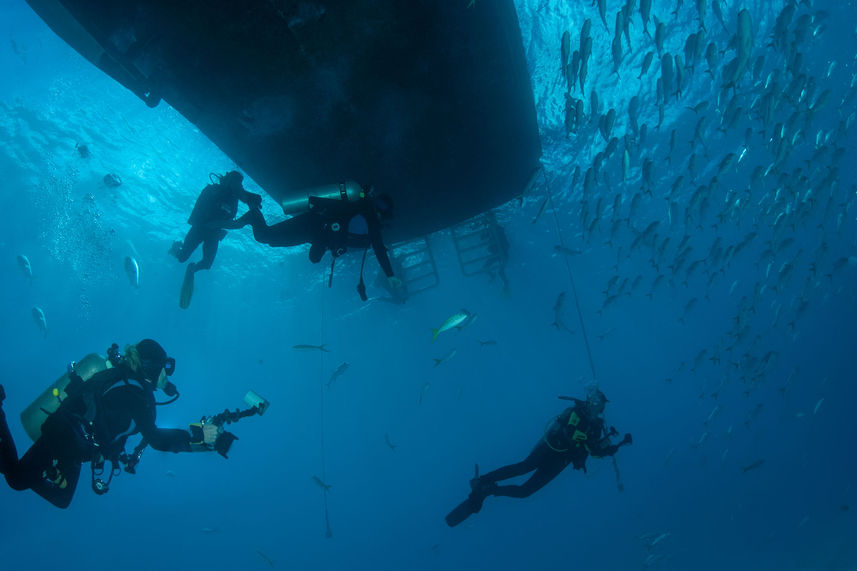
132	270
453	320
26	268
41	322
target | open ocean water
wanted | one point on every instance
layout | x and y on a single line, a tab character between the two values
713	250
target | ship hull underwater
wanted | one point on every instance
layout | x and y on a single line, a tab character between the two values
429	101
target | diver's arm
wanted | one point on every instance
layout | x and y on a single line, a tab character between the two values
604	448
163	439
205	439
251	199
378	245
168	439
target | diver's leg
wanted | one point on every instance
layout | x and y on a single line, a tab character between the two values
549	469
528	464
192	240
51	467
209	251
292	232
39	470
60	493
8	452
29	473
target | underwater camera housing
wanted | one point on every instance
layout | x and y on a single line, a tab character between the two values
252	399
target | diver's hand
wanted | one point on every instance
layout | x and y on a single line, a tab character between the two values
254	201
627	439
224	443
394	282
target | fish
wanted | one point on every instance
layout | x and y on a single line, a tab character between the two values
452	321
83	150
718	13
585	32
626	165
390	444
647	61
565	51
618	56
423	390
445	358
602	11
735	69
558	307
754	414
584	64
322	348
668	75
753	465
471	319
714	412
633	115
567	251
39	318
132	270
337	373
26	268
265	558
645	14
320	483
487	342
817	405
660	36
571	71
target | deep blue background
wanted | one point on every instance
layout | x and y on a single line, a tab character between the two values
488	404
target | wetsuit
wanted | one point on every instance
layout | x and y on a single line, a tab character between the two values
569	440
330	224
213	213
116	404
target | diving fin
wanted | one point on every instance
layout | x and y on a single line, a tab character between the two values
463	511
187	288
469	506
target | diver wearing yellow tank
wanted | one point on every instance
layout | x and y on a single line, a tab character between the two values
570	438
95	407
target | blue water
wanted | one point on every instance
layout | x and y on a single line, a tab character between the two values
777	342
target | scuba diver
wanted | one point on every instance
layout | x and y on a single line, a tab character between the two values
571	437
338	216
213	214
88	415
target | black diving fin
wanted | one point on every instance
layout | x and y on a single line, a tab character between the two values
187	288
468	507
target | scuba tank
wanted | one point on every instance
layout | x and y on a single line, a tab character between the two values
49	401
299	202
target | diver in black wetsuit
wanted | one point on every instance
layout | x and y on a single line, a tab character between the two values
213	214
333	224
95	420
572	437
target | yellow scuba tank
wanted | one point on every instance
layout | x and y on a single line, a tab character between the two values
49	401
299	201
